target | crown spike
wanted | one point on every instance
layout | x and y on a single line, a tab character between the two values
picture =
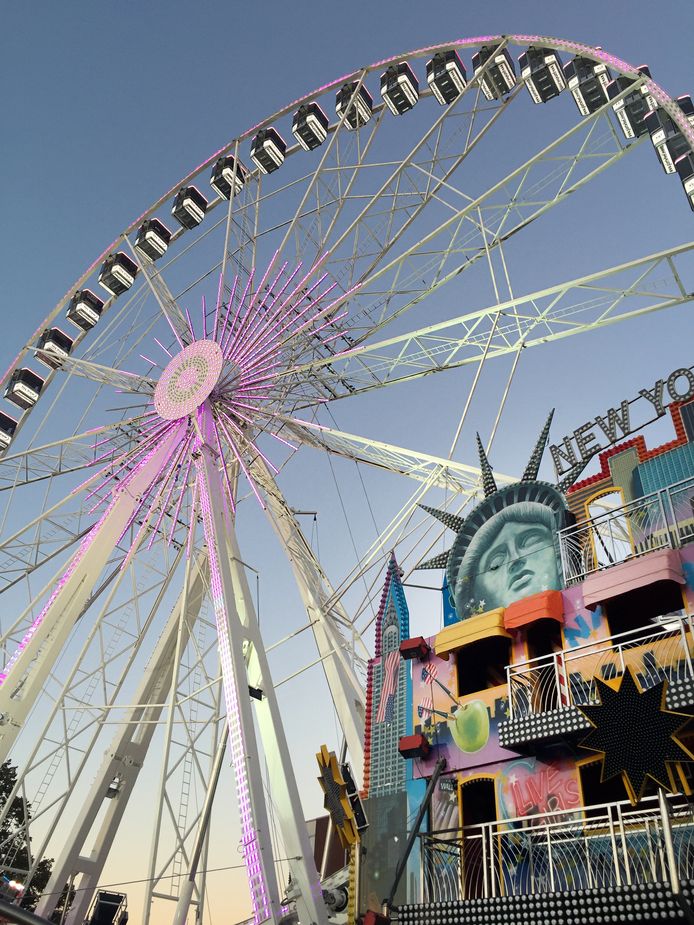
488	483
533	467
452	521
440	561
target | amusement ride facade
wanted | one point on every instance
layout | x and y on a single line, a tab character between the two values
189	364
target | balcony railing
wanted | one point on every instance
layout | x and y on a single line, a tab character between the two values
662	520
609	845
567	678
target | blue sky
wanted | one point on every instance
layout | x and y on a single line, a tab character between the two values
107	105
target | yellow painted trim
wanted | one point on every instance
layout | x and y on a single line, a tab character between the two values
461	634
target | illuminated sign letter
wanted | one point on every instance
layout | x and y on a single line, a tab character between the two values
563	456
672	381
614	420
655	397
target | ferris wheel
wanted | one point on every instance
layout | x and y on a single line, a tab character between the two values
361	238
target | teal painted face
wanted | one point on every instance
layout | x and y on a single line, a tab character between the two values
519	562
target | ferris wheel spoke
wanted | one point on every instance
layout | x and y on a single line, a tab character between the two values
106	375
161	292
423	467
580	305
543	181
431	164
395	206
345	686
60	457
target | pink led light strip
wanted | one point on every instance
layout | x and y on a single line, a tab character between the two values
256	879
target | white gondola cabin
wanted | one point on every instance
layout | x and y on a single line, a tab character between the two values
228	176
399	88
52	347
189	207
84	309
357	104
117	273
500	75
8	426
587	81
632	109
268	150
668	140
310	126
541	69
446	76
153	238
24	388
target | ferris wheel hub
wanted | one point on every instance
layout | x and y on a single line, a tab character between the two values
188	379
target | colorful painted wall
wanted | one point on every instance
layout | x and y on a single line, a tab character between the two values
464	729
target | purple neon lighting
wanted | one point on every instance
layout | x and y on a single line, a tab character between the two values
238	370
117	495
254	868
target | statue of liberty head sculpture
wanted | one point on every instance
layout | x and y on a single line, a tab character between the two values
507	548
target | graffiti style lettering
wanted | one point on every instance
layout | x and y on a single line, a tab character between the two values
548	790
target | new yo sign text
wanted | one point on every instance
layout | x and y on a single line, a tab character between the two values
617	423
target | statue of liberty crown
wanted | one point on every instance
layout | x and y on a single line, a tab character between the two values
529	488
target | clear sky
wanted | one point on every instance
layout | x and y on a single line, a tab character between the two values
106	105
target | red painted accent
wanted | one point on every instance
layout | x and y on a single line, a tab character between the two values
415	746
417	647
546	604
375	918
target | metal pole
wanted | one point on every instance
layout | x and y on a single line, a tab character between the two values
667	838
615	855
402	863
623	839
549	858
510	692
485	875
186	893
685	646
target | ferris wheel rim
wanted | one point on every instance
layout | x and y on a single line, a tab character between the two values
518	39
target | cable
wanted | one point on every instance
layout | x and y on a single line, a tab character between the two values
209	870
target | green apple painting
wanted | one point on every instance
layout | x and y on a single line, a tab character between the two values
464	731
470	726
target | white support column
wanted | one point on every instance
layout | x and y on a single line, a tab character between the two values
123	759
285	793
25	673
255	829
345	687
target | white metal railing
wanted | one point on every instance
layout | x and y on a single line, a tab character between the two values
613	844
664	519
567	678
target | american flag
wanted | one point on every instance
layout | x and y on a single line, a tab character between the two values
429	673
425	707
386	705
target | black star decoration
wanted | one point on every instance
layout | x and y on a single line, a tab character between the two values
636	734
